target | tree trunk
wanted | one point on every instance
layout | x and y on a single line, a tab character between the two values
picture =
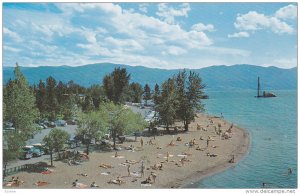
4	170
87	148
114	139
51	158
186	126
168	130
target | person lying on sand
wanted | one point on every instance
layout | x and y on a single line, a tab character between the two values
184	159
147	181
178	139
15	182
157	166
211	155
186	153
84	156
226	135
151	142
94	184
41	183
201	138
117	181
106	166
82	174
74	184
200	149
171	143
131	161
194	142
78	185
159	148
73	162
232	159
153	176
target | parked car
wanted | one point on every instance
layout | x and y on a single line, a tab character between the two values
25	155
71	122
42	148
61	123
72	143
35	151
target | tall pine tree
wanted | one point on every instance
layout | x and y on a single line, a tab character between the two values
52	105
20	104
147	93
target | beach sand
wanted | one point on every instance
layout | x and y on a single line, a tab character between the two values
171	175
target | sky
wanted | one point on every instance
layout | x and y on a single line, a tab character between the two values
156	35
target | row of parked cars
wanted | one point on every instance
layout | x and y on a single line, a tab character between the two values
35	150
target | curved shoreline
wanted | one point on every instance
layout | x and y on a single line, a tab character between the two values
198	176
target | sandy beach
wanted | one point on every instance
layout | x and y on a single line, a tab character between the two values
201	160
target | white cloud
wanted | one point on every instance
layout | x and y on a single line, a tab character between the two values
202	27
124	44
282	63
239	35
12	34
255	21
168	13
287	12
174	50
143	7
104	32
12	49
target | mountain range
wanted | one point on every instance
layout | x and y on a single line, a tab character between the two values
221	77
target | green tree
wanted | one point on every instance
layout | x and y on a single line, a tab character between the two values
70	109
122	121
55	141
12	143
87	104
92	125
41	98
136	92
52	104
156	94
147	93
20	104
108	87
97	93
189	95
115	84
168	103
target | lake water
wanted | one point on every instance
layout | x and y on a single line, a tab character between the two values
272	125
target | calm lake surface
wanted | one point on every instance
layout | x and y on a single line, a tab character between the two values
272	125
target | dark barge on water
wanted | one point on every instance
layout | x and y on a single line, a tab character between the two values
265	94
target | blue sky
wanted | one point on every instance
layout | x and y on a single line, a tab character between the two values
160	35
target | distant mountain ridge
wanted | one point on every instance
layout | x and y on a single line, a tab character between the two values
215	77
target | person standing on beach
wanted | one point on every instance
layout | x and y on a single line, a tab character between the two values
142	169
168	156
142	142
207	142
128	170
